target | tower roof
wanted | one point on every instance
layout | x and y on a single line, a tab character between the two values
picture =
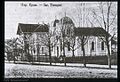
66	20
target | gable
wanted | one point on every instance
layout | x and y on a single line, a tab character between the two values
22	28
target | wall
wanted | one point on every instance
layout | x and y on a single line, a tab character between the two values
97	47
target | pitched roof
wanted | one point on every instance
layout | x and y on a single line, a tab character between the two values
32	28
91	31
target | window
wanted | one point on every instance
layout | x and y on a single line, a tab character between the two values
92	45
102	45
61	46
68	46
68	31
34	51
38	49
57	51
42	50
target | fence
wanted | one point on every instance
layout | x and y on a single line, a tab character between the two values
76	59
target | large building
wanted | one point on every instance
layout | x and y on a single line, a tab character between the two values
34	36
94	45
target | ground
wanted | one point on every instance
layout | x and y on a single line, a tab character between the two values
59	71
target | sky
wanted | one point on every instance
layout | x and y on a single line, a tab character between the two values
37	12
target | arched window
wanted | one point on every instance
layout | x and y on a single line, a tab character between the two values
102	45
92	45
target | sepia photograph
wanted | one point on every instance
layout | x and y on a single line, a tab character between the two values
60	39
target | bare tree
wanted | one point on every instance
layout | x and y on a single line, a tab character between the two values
63	39
82	16
49	39
20	44
27	46
67	38
73	45
66	32
8	50
12	46
82	40
106	17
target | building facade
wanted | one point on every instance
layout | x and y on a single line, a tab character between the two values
68	38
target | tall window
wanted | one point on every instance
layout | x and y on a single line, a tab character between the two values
34	51
57	51
102	45
61	46
38	49
92	45
68	46
42	50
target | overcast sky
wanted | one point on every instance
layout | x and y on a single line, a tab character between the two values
23	12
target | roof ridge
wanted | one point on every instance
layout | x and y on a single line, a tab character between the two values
89	27
30	24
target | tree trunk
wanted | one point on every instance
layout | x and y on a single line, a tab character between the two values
14	56
15	52
32	58
109	59
64	57
73	55
84	59
50	56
